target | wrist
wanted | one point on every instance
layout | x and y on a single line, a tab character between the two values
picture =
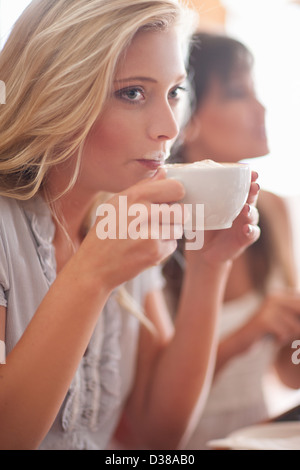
92	283
256	327
207	281
196	263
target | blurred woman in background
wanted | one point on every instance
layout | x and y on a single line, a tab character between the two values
261	311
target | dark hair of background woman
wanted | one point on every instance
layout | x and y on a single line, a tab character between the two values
222	58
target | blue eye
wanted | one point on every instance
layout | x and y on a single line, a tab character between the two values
177	92
132	94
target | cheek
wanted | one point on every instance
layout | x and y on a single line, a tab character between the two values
224	133
242	116
228	124
109	134
215	123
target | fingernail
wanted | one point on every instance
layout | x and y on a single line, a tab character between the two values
247	209
248	229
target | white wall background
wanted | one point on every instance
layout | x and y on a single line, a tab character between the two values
9	12
271	29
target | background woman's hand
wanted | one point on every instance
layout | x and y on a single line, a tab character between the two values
279	316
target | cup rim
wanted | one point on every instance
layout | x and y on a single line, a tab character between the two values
219	166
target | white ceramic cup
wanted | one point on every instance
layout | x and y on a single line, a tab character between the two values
222	189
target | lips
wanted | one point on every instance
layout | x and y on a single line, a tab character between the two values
157	155
150	164
153	161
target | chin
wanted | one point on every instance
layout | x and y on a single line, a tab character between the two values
260	153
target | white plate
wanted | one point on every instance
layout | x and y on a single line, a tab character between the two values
271	436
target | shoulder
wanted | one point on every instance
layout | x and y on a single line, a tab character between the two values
6	202
271	200
275	209
8	207
9	212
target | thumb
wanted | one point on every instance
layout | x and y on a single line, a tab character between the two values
159	175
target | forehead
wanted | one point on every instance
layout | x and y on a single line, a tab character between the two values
157	54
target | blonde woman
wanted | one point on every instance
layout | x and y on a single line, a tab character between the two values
93	102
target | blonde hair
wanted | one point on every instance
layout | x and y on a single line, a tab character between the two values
58	65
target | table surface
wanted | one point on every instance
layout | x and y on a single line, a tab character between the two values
291	415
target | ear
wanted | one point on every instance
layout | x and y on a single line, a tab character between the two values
192	130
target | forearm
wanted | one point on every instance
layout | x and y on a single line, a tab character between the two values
40	368
183	370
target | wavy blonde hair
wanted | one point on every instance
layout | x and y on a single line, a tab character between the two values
58	65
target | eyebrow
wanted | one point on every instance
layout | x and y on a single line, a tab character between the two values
146	79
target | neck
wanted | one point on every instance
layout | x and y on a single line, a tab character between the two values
71	208
71	216
71	226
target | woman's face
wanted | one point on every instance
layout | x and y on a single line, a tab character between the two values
229	124
132	136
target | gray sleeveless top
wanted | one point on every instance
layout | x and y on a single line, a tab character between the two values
104	378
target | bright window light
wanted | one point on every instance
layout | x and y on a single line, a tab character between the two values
9	12
271	30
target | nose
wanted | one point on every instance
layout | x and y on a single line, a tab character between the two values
163	124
